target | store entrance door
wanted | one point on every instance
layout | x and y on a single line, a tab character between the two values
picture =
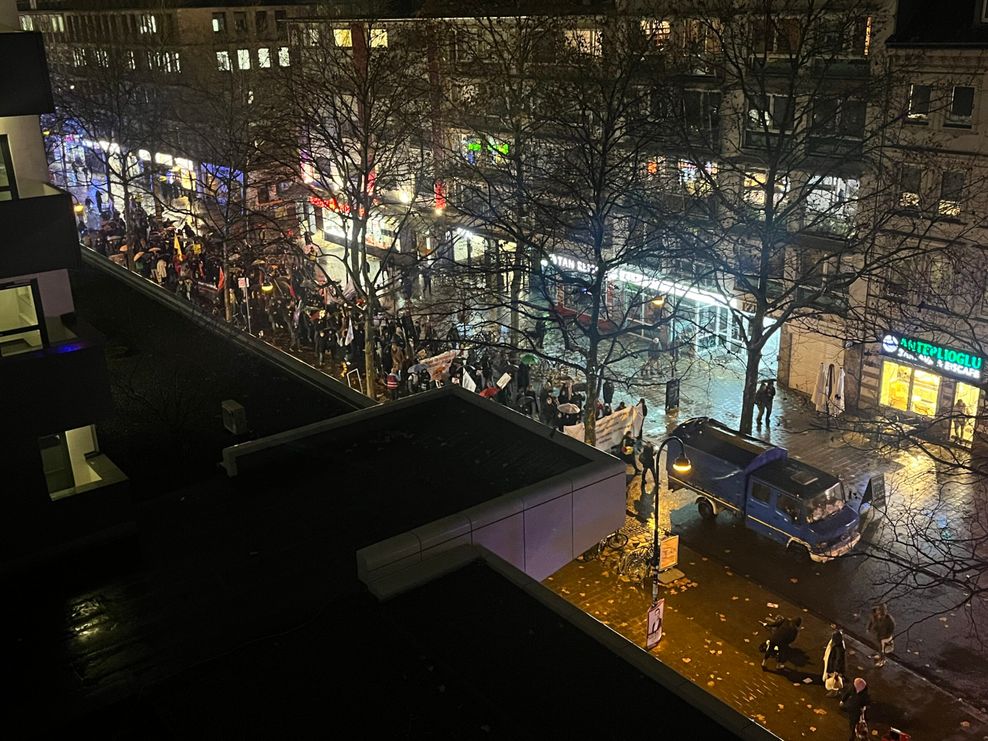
966	400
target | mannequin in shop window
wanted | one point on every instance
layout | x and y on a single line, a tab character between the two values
959	419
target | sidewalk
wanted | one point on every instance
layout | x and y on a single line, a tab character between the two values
711	634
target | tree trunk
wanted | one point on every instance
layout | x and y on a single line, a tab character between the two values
753	360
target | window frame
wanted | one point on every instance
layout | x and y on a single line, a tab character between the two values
951	207
39	312
218	23
918	118
952	120
223	63
243	60
8	166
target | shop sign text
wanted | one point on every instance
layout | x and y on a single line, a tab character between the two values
947	360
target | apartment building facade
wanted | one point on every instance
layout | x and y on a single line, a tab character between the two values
52	367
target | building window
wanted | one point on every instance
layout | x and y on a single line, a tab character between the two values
378	37
656	32
831	205
280	22
8	185
919	104
694	181
909	389
284	60
20	324
910	179
149	24
102	57
264	58
240	22
584	40
131	60
341	37
951	192
755	184
261	22
243	58
27	23
223	61
961	108
219	23
701	111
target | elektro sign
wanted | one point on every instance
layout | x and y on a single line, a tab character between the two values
944	360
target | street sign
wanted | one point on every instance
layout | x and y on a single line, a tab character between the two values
242	282
668	552
875	493
654	633
672	394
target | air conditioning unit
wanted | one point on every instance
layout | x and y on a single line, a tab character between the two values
234	417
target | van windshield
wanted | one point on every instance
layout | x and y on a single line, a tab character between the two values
823	505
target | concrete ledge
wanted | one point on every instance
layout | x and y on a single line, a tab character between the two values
278	357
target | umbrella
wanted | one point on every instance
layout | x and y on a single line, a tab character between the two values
529	359
489	392
568	408
139	255
155	249
124	248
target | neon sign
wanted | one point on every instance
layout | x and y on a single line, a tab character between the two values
948	361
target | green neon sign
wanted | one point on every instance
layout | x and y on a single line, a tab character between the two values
946	359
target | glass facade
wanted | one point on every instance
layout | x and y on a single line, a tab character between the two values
909	389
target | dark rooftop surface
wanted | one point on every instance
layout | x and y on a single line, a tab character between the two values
808	482
419	462
722	442
923	22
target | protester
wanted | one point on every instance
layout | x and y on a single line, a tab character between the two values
882	626
785	631
608	392
627	451
644	408
855	703
647	459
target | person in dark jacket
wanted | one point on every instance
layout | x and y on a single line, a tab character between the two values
644	408
855	703
626	451
647	459
784	633
608	392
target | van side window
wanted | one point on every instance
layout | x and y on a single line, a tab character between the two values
760	491
790	508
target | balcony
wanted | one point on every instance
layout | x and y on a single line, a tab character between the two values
61	386
40	231
24	85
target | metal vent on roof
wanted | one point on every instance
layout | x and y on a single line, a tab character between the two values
804	477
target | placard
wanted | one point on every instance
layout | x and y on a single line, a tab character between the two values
875	493
656	613
668	552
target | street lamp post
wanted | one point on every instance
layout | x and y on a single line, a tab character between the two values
680	465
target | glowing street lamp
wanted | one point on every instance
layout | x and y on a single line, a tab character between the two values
681	465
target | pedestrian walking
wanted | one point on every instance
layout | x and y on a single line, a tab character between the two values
784	633
764	397
647	459
627	451
644	408
882	626
960	419
654	356
855	703
760	402
834	663
608	392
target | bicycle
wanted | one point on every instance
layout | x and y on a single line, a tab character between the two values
637	563
614	542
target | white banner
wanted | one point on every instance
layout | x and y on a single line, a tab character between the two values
439	364
467	381
611	429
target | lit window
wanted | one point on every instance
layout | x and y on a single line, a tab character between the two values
961	108
27	23
378	37
919	104
219	22
20	319
131	60
584	40
694	181
910	177
909	389
243	58
284	60
223	61
342	37
951	192
831	204
755	186
263	58
656	31
149	24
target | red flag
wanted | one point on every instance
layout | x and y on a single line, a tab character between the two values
221	281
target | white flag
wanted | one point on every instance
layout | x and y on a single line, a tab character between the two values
468	383
349	332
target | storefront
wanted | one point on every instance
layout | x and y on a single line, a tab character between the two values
932	382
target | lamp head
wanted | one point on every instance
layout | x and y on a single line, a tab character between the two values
682	465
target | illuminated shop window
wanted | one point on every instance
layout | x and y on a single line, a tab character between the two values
909	389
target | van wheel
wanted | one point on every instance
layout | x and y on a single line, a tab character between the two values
706	510
799	553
